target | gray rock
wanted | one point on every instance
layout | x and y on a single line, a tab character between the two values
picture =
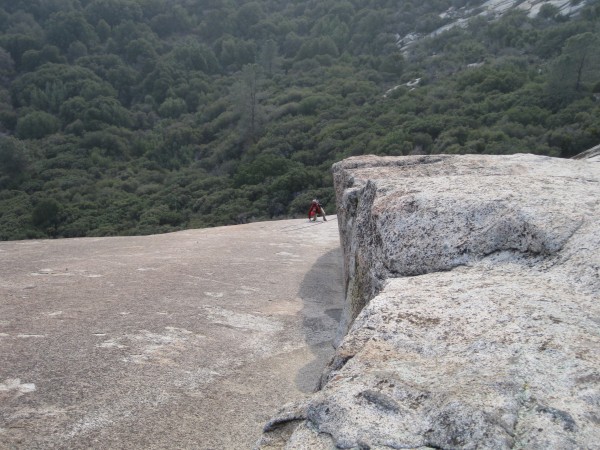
471	316
186	340
593	154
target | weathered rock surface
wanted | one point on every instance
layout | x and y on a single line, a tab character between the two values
187	340
472	315
593	154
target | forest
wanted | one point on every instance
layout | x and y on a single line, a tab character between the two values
130	117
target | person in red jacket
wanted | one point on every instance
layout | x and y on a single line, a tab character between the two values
315	209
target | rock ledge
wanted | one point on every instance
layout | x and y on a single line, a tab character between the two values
472	317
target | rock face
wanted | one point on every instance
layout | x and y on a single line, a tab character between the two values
460	17
186	340
593	154
472	315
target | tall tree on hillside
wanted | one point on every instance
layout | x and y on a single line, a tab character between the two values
13	161
585	51
268	53
248	98
578	64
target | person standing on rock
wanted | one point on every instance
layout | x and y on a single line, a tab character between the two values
315	210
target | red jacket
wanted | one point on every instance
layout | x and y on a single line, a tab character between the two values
315	208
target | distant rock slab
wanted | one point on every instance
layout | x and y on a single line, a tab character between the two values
472	315
593	154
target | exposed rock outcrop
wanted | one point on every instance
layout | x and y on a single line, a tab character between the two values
593	154
491	9
472	315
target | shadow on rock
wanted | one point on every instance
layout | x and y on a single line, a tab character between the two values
322	293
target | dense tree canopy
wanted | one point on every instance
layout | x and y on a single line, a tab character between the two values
145	116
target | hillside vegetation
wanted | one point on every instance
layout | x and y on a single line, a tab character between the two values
142	116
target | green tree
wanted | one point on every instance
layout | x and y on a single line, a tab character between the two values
173	108
317	46
64	28
263	167
36	125
13	161
104	111
268	55
248	97
7	67
291	44
175	20
548	11
584	52
103	30
51	84
141	54
77	49
113	12
17	44
247	15
31	59
47	216
578	64
217	22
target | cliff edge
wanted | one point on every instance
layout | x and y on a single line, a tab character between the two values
471	317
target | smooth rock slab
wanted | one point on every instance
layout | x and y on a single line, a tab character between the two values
183	340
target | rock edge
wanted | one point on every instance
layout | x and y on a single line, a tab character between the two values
471	316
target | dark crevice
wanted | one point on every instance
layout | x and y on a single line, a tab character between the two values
276	425
336	364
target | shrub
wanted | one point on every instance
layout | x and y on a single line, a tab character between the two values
37	125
